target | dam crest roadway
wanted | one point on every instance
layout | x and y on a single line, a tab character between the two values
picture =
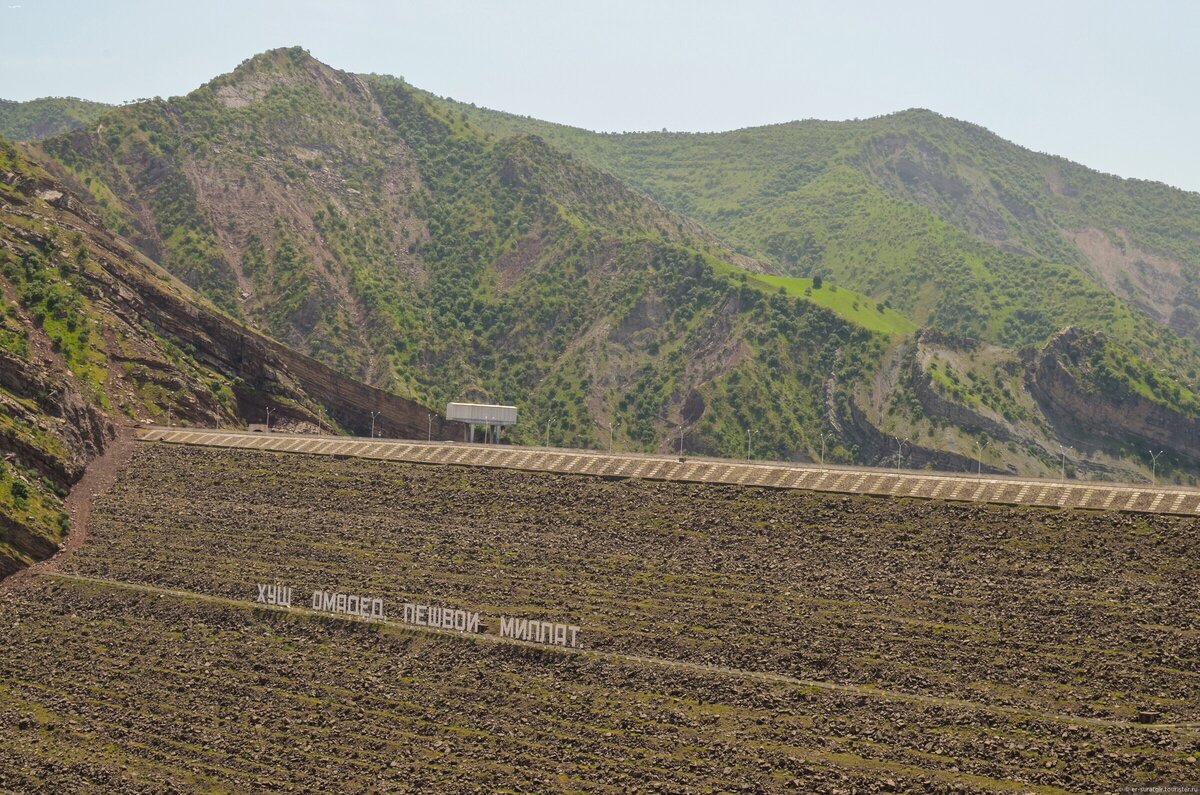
951	487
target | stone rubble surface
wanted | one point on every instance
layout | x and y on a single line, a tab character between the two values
1015	629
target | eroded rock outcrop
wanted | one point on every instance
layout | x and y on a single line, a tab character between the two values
1071	391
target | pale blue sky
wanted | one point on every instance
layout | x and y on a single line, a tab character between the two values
1114	85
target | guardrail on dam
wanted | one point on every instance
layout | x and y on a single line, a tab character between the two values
847	480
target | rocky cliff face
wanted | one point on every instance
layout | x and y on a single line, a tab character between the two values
271	374
67	432
1068	382
935	404
880	449
34	397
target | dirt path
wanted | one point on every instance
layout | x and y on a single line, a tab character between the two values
99	476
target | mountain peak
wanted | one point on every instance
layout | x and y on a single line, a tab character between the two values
256	77
279	58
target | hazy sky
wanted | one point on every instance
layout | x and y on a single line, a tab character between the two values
1114	85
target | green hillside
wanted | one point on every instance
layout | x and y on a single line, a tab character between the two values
653	284
854	307
947	223
41	118
888	205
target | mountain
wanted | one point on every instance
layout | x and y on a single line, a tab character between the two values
313	203
41	118
793	291
95	335
945	221
841	197
350	218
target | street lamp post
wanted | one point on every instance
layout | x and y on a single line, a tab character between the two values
611	424
549	422
681	441
979	445
900	450
270	411
1063	451
429	433
168	416
374	414
822	449
1154	466
748	434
